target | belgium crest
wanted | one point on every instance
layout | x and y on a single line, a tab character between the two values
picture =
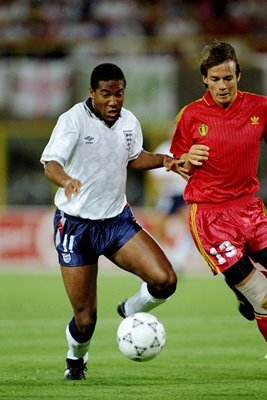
203	129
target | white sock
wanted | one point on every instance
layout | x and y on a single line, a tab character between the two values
142	301
255	290
76	349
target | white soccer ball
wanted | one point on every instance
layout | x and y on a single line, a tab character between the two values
141	336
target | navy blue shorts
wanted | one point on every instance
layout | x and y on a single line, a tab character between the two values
177	202
80	241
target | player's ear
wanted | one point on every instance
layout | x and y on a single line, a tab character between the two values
91	92
239	77
205	80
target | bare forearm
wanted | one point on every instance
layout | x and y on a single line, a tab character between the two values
146	161
56	174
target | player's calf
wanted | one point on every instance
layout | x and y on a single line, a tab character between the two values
244	306
255	290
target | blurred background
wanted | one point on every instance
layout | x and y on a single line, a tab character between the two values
47	51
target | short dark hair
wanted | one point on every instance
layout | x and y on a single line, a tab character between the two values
217	53
106	72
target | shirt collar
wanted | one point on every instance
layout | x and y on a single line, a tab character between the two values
211	103
89	105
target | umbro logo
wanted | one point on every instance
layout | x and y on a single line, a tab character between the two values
89	139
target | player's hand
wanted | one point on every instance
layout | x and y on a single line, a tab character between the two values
171	164
72	188
197	154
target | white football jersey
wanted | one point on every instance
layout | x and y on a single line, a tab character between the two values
97	155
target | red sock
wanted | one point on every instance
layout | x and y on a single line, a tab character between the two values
262	325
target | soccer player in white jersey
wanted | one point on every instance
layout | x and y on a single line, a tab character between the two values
87	157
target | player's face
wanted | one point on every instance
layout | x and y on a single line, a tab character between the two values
107	100
222	81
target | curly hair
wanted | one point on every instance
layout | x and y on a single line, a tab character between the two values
106	72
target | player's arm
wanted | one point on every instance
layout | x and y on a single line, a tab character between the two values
147	161
56	174
197	154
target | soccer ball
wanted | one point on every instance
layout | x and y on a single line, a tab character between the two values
141	336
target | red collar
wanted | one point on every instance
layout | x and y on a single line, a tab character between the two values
211	103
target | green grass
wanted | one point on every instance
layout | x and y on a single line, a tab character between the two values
211	351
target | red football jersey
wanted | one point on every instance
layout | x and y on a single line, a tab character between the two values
233	136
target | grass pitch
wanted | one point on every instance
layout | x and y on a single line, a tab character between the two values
211	351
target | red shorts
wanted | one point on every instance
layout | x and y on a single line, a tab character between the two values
224	233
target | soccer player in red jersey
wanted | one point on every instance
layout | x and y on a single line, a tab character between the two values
219	138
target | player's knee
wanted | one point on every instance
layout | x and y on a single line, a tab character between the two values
172	283
168	281
165	288
170	290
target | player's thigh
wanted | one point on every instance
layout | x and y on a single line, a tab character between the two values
143	256
81	286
